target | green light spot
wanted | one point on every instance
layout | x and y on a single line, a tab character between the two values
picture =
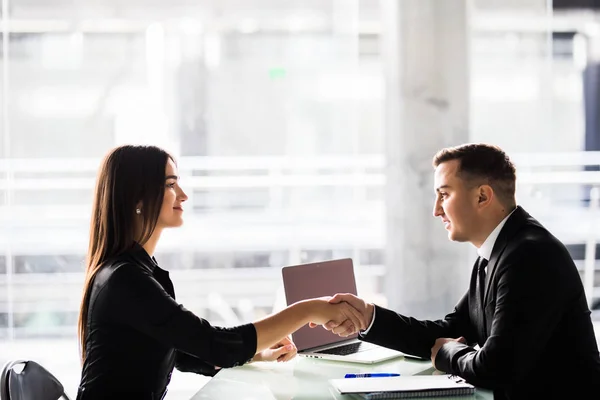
277	73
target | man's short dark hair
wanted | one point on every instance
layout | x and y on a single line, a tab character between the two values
481	163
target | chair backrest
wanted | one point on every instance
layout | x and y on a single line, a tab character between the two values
34	382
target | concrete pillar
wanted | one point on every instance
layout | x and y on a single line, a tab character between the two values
425	55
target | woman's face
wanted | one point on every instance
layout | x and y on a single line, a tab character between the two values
171	212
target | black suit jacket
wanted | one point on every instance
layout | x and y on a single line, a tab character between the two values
537	338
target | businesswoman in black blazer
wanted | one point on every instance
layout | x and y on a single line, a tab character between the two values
132	331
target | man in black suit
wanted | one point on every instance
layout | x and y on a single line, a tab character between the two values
525	307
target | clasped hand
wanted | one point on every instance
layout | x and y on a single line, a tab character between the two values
282	351
343	314
439	342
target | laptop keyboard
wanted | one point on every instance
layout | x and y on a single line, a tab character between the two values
347	349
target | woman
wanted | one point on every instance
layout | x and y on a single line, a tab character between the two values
132	332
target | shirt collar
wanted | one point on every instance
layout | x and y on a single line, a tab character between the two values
140	254
142	258
485	251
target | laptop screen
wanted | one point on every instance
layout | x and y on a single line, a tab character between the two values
318	279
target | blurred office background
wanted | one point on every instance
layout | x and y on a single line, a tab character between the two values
304	131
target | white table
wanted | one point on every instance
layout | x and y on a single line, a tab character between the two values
302	378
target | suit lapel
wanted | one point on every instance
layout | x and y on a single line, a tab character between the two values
513	224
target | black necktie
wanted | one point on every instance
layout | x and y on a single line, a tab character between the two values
479	311
481	279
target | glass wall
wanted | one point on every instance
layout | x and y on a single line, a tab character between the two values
273	110
534	91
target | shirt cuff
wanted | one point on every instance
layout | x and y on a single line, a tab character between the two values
250	337
366	331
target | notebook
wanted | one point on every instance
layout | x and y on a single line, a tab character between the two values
404	387
327	278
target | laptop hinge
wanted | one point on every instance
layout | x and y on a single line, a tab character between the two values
329	346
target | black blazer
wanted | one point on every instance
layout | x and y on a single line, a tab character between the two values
537	338
137	333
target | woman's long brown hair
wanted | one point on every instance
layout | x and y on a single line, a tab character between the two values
130	177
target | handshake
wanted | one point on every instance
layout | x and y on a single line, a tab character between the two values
343	314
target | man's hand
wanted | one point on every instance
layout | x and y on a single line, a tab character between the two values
282	351
339	314
365	311
439	342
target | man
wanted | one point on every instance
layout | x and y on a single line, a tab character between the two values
525	307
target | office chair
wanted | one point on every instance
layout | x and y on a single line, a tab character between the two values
34	382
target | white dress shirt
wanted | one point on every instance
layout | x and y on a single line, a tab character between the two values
485	251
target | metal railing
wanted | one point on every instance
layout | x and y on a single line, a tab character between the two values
284	219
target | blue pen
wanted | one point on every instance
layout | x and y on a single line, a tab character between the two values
370	375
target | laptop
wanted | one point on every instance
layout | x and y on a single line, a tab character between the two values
320	279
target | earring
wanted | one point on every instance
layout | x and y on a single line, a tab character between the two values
138	211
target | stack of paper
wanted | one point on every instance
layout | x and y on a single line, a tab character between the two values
402	387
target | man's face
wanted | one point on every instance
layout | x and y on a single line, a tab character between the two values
456	203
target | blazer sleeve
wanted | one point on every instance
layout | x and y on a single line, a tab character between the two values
530	298
416	337
187	363
136	299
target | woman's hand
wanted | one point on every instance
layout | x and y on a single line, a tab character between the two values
284	350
